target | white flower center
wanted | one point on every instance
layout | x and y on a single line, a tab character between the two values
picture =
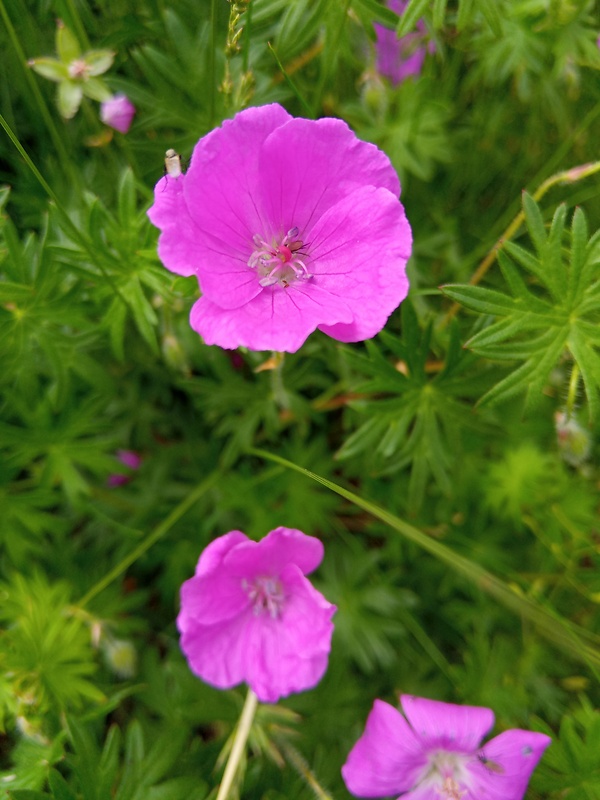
266	595
445	773
279	262
78	69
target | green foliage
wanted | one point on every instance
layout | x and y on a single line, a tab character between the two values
550	317
491	594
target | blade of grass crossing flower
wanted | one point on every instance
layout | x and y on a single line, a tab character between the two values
290	82
580	643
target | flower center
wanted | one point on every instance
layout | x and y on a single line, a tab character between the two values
78	69
279	262
446	775
266	595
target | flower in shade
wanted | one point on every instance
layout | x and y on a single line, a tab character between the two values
131	460
250	615
434	752
398	58
117	112
289	225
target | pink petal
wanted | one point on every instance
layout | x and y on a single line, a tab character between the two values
289	654
178	246
388	757
506	766
308	166
275	551
359	249
211	599
219	653
212	556
445	725
222	186
277	319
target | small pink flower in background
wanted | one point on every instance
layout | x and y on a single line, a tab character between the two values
118	112
250	615
128	458
434	752
289	225
401	58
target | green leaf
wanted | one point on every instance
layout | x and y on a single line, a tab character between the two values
96	89
49	68
411	15
59	787
492	15
379	12
99	61
439	13
535	223
465	14
486	301
69	98
67	46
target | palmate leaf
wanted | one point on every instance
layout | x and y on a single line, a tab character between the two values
553	310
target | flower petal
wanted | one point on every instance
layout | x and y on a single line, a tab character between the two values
212	556
506	764
223	180
275	551
219	653
277	319
359	250
445	725
306	166
289	653
178	248
388	757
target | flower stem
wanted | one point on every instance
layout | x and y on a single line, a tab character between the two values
239	744
152	537
572	393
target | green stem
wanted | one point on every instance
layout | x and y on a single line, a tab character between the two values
153	537
572	393
57	139
239	744
291	83
247	28
212	69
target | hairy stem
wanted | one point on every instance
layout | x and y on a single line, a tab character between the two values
239	744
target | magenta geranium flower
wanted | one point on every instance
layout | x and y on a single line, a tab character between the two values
118	112
250	615
289	225
434	752
399	58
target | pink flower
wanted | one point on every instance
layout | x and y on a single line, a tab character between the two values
117	112
434	752
130	459
289	225
249	614
400	58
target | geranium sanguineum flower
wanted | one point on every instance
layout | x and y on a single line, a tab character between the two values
289	225
118	112
434	752
401	57
250	615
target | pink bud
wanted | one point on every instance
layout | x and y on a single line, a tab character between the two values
117	112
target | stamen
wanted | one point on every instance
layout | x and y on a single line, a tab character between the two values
279	262
266	594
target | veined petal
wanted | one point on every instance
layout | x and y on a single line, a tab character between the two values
445	725
388	757
307	166
210	600
276	319
505	765
359	250
289	653
212	556
219	653
275	551
222	183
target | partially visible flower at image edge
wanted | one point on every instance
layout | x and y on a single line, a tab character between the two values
289	225
399	58
118	112
250	615
434	752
